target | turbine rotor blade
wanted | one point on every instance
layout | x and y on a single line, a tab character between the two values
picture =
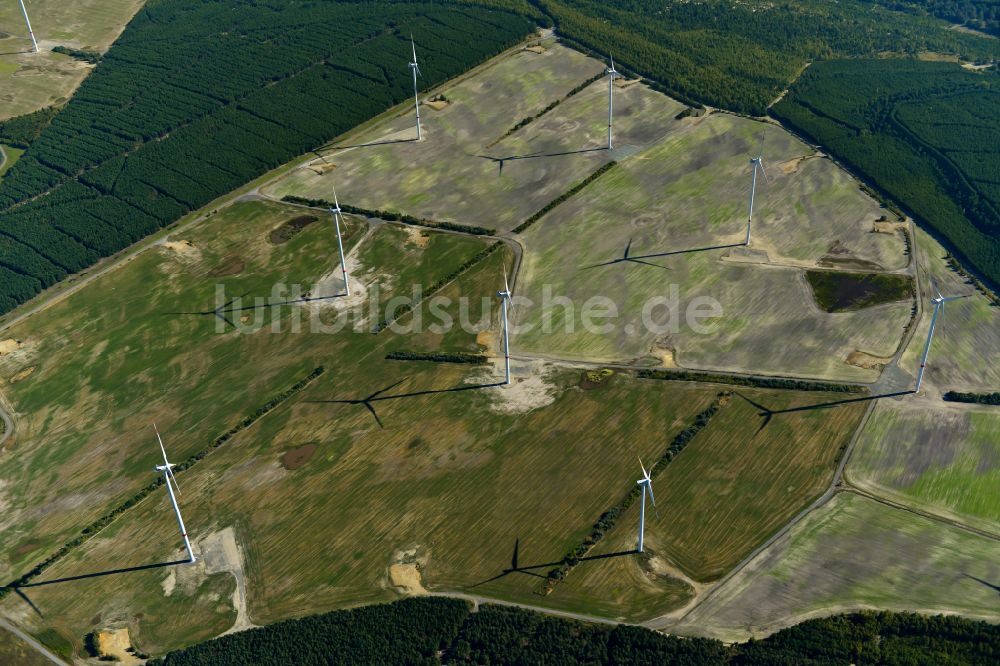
162	450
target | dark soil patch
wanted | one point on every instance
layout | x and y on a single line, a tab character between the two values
845	292
295	458
231	265
290	229
830	261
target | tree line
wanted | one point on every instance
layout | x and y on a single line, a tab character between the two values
436	630
743	380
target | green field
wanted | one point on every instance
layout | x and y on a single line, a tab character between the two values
11	155
944	459
855	553
31	81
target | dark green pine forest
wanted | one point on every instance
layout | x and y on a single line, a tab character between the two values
433	630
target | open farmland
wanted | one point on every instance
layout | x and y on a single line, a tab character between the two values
854	553
966	352
432	489
319	472
405	473
455	173
723	495
666	200
664	196
943	458
31	81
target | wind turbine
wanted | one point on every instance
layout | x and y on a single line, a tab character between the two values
335	211
504	301
756	162
416	71
168	474
612	75
647	485
34	44
938	302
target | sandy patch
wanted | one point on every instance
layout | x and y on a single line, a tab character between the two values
22	375
791	166
404	572
9	345
661	567
868	361
887	227
437	104
625	83
663	350
320	167
486	339
536	48
169	583
530	388
406	578
418	237
116	643
747	255
184	249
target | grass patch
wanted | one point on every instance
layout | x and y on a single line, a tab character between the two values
847	292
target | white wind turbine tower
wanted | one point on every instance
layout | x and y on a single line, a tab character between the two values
938	302
756	162
416	71
504	301
335	211
612	75
34	44
647	485
168	474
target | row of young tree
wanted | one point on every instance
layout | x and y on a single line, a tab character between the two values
912	128
434	630
196	99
